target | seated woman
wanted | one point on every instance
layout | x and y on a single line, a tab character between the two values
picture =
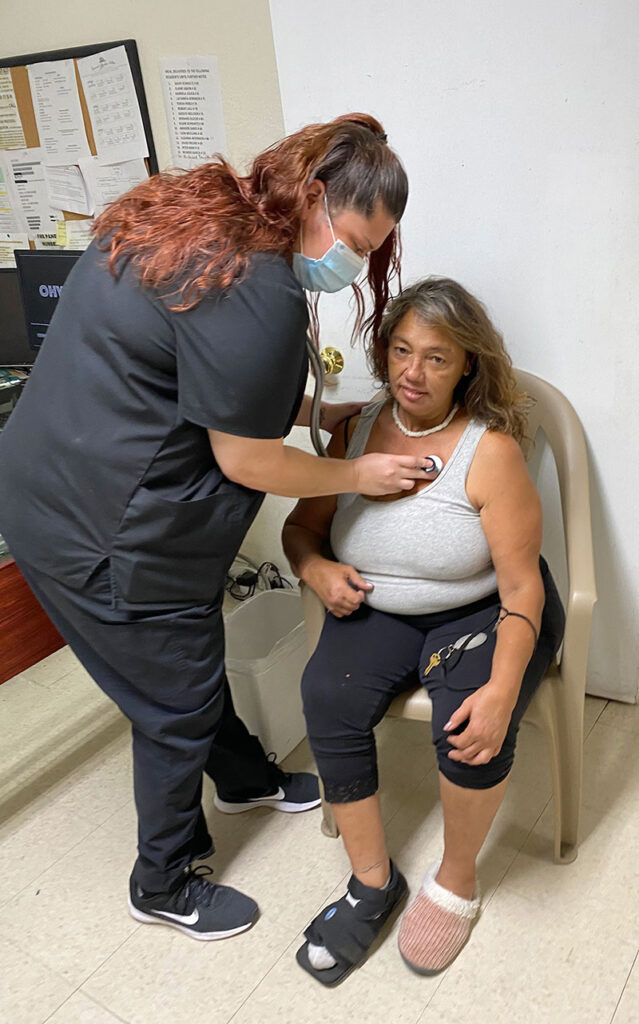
443	585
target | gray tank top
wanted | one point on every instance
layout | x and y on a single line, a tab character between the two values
426	552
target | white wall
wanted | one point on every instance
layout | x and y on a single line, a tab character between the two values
237	32
517	123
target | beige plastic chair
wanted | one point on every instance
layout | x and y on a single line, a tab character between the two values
558	706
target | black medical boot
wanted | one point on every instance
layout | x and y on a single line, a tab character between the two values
195	906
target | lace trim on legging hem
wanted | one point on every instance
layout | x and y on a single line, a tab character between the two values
348	792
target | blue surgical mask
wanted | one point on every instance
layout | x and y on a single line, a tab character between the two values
338	267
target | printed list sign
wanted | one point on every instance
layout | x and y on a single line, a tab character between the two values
193	104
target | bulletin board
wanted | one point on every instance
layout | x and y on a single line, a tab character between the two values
19	75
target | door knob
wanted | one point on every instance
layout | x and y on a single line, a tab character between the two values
332	360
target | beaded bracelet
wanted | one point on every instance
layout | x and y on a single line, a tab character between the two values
519	615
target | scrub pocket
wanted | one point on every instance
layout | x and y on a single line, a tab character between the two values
459	654
178	552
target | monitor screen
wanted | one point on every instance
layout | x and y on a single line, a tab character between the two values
41	275
14	342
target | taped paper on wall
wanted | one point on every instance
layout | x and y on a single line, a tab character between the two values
193	104
113	106
11	131
57	111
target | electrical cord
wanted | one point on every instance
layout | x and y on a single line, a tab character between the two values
242	585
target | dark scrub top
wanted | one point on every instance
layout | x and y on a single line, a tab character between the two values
106	454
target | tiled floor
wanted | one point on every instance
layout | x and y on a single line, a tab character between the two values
554	944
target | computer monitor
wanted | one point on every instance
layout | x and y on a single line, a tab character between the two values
14	342
41	275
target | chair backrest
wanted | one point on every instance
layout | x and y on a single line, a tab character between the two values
554	415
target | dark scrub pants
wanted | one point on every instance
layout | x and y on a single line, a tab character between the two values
124	526
364	660
165	672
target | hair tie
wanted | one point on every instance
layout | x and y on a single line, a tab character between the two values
518	615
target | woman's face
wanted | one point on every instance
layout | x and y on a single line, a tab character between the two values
424	368
361	234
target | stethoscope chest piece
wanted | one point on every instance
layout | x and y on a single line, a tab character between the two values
435	467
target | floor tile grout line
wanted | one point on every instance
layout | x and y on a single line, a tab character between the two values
86	995
625	985
102	964
518	852
108	1009
53	864
595	720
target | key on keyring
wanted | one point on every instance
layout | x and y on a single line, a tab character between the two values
435	660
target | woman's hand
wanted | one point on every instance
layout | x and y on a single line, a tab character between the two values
339	587
487	712
377	473
331	415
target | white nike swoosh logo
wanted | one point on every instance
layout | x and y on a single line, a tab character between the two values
182	918
280	795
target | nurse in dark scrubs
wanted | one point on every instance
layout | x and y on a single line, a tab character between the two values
150	429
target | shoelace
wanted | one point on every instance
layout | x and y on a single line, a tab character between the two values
275	771
197	886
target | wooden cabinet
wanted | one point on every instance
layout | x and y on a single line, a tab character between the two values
26	633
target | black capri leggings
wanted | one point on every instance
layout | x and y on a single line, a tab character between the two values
365	660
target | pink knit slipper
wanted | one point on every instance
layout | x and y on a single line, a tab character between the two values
435	926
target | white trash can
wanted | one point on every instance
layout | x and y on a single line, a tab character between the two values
265	656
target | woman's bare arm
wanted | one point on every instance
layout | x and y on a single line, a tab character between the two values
305	538
267	464
499	486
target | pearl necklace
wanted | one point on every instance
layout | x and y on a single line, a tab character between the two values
421	433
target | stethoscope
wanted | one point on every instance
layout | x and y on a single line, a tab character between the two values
318	373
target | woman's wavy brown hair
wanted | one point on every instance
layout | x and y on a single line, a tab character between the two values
489	393
188	232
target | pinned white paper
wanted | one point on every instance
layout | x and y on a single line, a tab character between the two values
113	106
57	110
107	182
12	217
11	131
8	242
47	240
193	104
66	190
31	188
78	234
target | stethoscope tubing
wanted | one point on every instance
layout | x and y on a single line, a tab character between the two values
318	373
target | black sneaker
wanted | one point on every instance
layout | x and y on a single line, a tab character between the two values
291	792
206	851
197	907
